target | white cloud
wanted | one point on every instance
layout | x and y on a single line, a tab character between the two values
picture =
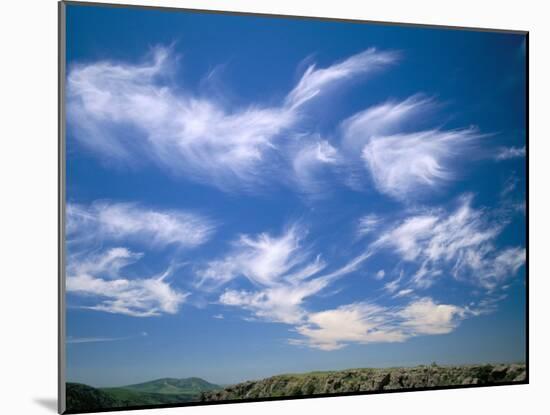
131	113
97	277
408	236
380	274
355	323
366	323
108	263
315	81
403	293
426	317
509	186
393	285
308	162
505	263
487	305
461	242
128	112
506	153
283	270
381	120
520	207
281	303
265	260
279	266
117	221
403	164
183	133
367	224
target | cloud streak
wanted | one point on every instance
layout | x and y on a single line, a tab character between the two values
85	340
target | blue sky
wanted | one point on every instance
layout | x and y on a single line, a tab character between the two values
249	196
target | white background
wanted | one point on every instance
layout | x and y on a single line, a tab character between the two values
28	206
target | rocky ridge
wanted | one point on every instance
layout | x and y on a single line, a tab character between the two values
365	380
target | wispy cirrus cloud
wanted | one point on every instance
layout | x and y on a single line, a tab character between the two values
404	292
392	286
279	266
366	323
405	163
110	221
85	340
207	140
461	243
186	133
284	271
316	81
509	186
264	260
280	304
308	161
285	275
367	224
97	278
507	153
388	118
101	278
401	160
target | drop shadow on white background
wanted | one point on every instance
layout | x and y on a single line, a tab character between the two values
48	403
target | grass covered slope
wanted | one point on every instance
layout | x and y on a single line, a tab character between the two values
126	397
85	398
157	392
364	380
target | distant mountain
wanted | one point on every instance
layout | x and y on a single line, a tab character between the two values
364	380
157	392
171	386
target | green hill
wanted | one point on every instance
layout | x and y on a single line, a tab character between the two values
173	386
126	397
157	392
85	398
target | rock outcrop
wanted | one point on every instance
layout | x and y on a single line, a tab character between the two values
364	380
